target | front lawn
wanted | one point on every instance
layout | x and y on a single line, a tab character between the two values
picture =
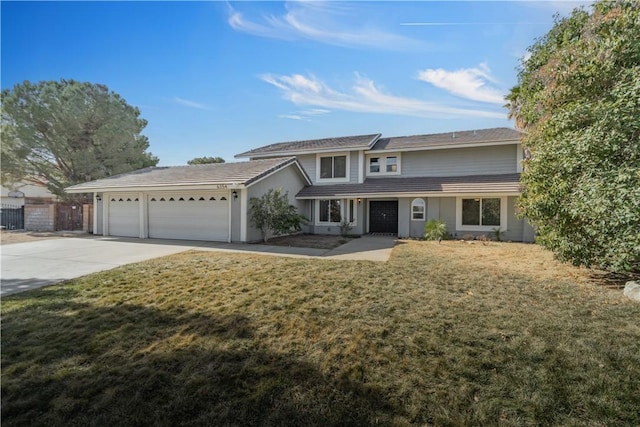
442	334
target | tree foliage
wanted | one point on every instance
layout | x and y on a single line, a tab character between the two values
578	101
61	133
273	215
205	160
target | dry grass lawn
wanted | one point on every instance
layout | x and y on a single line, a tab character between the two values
450	334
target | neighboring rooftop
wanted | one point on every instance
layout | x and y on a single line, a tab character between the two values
500	184
470	137
241	173
357	142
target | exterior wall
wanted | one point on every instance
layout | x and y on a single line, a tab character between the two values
32	194
289	180
309	164
236	213
416	227
40	217
357	230
404	217
460	161
518	230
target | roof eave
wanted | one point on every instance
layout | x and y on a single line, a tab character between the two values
445	146
413	194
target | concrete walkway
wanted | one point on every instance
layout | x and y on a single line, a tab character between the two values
31	265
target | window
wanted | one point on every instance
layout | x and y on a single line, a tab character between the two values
482	213
332	211
392	164
329	211
374	165
387	165
417	210
333	167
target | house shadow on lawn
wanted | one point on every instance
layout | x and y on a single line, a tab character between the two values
78	364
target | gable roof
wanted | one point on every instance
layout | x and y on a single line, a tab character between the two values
231	174
419	186
343	143
493	136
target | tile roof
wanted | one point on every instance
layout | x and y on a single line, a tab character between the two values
446	139
216	173
508	183
314	145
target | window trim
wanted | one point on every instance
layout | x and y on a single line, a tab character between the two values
382	164
424	208
503	213
347	177
345	208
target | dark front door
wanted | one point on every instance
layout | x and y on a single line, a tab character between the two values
383	217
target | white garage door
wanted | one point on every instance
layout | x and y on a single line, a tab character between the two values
123	215
189	216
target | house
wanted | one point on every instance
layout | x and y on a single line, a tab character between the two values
21	193
469	180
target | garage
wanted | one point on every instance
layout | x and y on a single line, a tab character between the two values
124	217
189	216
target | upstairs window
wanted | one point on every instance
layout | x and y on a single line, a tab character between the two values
333	167
392	164
384	165
374	165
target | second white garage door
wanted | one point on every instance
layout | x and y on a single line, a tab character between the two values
189	216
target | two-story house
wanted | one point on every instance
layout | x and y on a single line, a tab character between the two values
469	180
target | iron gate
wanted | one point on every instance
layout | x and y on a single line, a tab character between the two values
12	217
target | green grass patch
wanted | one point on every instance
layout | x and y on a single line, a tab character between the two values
442	334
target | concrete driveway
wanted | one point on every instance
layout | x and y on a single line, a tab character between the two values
35	264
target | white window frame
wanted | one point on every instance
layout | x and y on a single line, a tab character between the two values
422	204
383	164
503	213
345	154
345	207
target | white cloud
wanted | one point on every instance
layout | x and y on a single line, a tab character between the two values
470	83
364	97
190	104
305	115
324	22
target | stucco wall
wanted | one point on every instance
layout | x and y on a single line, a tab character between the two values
289	180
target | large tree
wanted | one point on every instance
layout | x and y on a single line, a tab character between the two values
205	160
60	133
578	101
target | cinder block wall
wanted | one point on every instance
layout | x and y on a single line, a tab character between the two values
40	217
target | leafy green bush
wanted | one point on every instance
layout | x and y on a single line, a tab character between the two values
435	229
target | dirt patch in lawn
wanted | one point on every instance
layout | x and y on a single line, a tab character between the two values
8	237
315	241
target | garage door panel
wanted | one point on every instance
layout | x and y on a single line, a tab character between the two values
189	217
124	218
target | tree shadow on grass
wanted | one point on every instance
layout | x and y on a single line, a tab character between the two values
78	364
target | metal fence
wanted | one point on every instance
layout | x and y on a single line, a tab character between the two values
12	217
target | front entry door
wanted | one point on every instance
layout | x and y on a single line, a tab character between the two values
383	217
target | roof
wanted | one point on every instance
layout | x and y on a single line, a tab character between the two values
498	184
343	143
444	140
241	173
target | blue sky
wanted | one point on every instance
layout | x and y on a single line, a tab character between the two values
219	78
